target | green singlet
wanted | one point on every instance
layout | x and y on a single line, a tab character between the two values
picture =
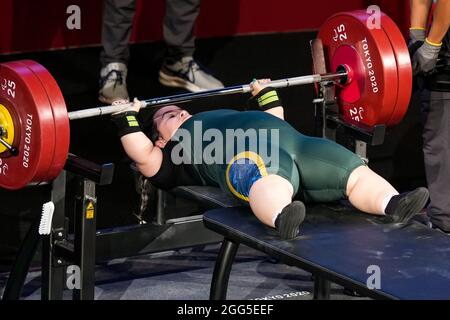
233	149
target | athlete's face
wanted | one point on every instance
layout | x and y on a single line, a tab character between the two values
168	119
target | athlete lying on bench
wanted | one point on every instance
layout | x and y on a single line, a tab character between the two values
315	169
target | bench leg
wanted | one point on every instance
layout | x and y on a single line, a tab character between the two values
321	288
222	269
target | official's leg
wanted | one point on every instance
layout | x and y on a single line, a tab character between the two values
179	68
436	149
116	30
178	28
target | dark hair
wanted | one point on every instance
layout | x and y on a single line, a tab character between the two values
146	118
154	134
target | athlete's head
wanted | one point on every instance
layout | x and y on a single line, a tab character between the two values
165	122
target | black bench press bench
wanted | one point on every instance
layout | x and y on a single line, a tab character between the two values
341	245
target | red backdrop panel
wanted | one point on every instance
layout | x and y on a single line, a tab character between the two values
30	25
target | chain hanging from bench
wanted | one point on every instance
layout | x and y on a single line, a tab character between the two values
371	72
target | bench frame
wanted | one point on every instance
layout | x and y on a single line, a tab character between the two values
322	277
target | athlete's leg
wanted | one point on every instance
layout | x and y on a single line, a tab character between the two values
366	190
270	198
371	193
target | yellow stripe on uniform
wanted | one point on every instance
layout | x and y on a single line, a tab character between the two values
256	158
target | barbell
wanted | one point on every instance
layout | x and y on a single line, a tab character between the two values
372	75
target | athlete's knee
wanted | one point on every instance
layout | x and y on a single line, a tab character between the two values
272	184
355	176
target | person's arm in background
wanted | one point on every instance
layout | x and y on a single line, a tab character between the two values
441	22
425	58
419	14
420	10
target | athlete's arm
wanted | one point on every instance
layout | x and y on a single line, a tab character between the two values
137	145
143	152
267	98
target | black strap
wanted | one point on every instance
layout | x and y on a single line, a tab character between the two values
126	122
266	99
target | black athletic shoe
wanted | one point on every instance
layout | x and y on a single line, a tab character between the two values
402	207
422	218
289	220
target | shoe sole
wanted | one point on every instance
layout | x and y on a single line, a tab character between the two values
177	82
447	233
295	215
408	207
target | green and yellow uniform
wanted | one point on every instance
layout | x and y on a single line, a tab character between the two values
317	168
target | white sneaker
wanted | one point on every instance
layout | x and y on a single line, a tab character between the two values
113	83
188	74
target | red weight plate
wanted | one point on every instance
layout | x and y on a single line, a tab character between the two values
23	93
404	70
60	117
350	93
368	98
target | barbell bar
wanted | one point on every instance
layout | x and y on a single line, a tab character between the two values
339	76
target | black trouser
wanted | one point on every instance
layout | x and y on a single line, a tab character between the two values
436	148
178	29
